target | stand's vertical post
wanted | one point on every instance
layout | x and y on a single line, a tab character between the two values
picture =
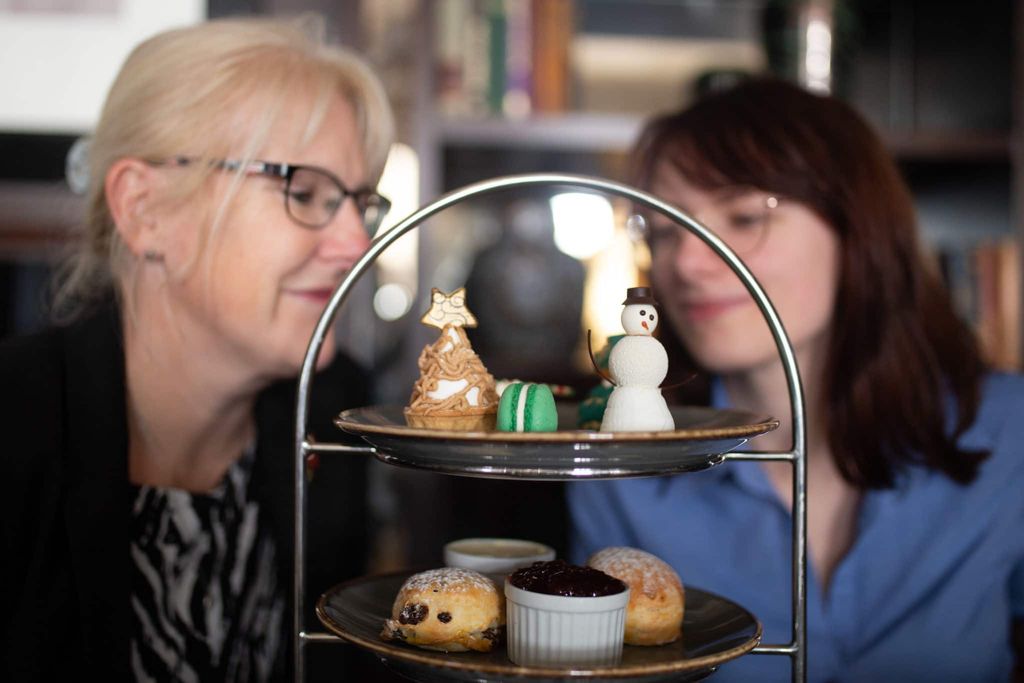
799	656
298	565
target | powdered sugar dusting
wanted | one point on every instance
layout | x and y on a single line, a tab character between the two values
449	580
640	570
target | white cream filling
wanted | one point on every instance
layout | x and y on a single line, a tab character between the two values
521	408
446	388
453	343
472	396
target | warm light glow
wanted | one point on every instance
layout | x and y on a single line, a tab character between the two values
397	266
400	183
584	223
610	273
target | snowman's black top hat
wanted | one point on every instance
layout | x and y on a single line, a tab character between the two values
639	295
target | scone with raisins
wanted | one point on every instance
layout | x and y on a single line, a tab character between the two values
450	609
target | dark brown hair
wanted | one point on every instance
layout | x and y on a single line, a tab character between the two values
899	360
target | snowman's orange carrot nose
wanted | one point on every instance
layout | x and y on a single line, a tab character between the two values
644	323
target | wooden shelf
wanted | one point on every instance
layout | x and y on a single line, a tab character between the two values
617	133
571	131
950	146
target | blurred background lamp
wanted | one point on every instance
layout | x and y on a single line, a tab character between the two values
391	301
584	223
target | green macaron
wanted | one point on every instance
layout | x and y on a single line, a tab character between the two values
527	408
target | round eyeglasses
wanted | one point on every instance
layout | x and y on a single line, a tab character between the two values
312	195
740	217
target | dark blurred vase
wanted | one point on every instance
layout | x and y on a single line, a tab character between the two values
528	298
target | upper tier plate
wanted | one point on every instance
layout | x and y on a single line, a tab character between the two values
715	630
700	440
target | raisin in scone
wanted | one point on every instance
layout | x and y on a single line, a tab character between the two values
654	615
449	609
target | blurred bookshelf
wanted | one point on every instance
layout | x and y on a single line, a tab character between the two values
490	87
595	132
565	85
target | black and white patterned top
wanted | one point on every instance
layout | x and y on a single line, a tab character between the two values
205	599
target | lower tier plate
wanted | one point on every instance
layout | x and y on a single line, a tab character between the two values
700	440
715	630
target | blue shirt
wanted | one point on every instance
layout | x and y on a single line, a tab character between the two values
927	592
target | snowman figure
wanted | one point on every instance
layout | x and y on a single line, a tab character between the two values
638	365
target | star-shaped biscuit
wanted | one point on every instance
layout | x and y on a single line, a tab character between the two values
448	309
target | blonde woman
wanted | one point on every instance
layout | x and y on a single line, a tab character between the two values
147	492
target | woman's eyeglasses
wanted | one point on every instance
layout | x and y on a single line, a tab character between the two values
739	217
312	195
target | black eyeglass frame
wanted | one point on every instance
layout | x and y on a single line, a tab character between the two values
364	197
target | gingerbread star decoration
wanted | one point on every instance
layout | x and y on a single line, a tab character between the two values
448	309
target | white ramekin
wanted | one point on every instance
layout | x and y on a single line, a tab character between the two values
555	630
495	555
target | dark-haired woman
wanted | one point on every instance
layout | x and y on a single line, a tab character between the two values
916	451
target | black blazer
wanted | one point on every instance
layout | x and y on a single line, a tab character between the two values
65	507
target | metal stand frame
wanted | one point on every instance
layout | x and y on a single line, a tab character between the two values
796	649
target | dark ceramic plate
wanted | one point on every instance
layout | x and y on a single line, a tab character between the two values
715	631
701	438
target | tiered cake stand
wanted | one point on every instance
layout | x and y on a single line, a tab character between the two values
716	630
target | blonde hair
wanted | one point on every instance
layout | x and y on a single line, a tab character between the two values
185	92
